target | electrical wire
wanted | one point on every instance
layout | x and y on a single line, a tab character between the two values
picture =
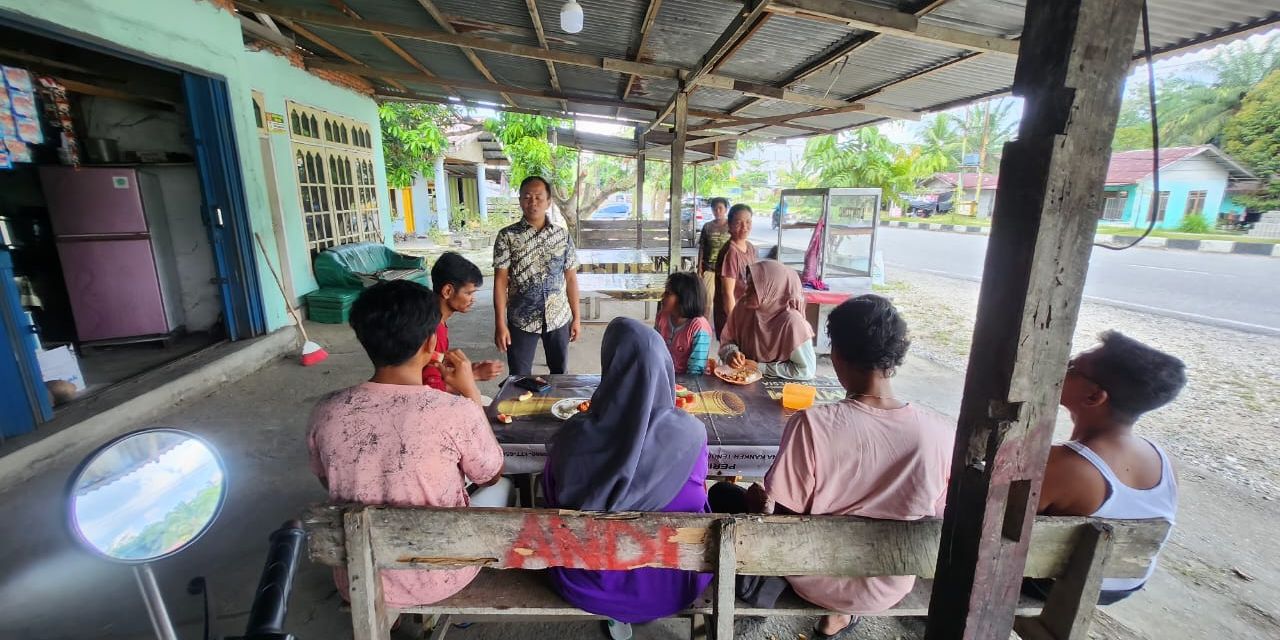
1155	138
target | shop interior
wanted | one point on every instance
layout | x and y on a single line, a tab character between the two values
100	210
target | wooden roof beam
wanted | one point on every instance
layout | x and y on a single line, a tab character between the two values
443	21
850	44
772	120
388	43
868	17
650	16
738	29
407	76
737	46
413	96
564	57
332	48
542	40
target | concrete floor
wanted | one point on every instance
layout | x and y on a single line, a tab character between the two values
105	366
50	589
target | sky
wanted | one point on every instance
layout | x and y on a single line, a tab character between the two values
127	504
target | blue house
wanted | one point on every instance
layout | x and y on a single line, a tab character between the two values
1193	181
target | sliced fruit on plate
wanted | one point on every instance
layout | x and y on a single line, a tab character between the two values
525	396
504	418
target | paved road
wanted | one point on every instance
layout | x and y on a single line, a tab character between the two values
1238	292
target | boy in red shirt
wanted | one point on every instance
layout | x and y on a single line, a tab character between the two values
455	281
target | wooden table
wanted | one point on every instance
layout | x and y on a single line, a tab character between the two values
744	423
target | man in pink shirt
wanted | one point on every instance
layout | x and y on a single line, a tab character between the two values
871	455
394	441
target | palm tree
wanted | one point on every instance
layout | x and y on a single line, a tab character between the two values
1194	112
940	144
867	159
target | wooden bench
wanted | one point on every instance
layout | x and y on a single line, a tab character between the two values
1078	552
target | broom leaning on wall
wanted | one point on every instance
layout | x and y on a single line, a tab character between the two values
312	353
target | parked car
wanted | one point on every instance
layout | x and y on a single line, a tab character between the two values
930	204
615	211
693	216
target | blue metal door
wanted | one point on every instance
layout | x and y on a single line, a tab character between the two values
225	213
24	401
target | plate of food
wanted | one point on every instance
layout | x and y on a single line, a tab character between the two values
569	407
744	375
685	399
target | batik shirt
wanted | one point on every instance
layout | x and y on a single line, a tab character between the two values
536	261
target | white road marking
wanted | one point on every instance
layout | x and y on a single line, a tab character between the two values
1203	273
1247	327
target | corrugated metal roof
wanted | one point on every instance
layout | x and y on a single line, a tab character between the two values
1000	18
523	72
610	27
972	77
585	81
504	12
880	61
685	29
784	43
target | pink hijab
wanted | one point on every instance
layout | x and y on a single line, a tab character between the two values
768	323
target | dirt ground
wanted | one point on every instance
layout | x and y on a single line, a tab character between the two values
1219	576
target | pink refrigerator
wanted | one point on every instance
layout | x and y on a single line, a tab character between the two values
111	232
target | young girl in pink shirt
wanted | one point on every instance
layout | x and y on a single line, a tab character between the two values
683	324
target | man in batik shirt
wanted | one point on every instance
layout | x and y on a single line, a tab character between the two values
535	285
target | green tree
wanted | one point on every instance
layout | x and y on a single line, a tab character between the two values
1192	111
866	159
527	141
940	143
412	137
984	128
1251	136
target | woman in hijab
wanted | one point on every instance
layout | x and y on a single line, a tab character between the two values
768	325
631	451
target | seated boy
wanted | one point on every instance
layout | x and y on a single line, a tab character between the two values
871	455
455	280
1105	470
393	441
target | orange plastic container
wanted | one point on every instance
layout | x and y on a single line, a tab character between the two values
798	396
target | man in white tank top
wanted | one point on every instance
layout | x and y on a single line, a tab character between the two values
1105	470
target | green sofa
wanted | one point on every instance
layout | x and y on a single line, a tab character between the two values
343	272
358	265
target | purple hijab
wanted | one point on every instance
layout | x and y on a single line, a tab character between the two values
633	451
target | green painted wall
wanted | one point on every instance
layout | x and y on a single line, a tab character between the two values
202	38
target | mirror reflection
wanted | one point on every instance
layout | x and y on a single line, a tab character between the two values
147	495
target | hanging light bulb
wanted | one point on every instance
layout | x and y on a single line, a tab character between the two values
571	17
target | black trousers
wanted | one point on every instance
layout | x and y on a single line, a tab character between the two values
555	345
759	591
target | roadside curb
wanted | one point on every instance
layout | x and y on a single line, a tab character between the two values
1179	244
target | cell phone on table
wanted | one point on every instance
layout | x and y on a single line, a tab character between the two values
536	384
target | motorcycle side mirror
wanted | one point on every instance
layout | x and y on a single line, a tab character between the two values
146	496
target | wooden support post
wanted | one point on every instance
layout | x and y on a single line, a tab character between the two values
726	581
1074	57
1068	612
577	189
677	180
368	612
639	198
